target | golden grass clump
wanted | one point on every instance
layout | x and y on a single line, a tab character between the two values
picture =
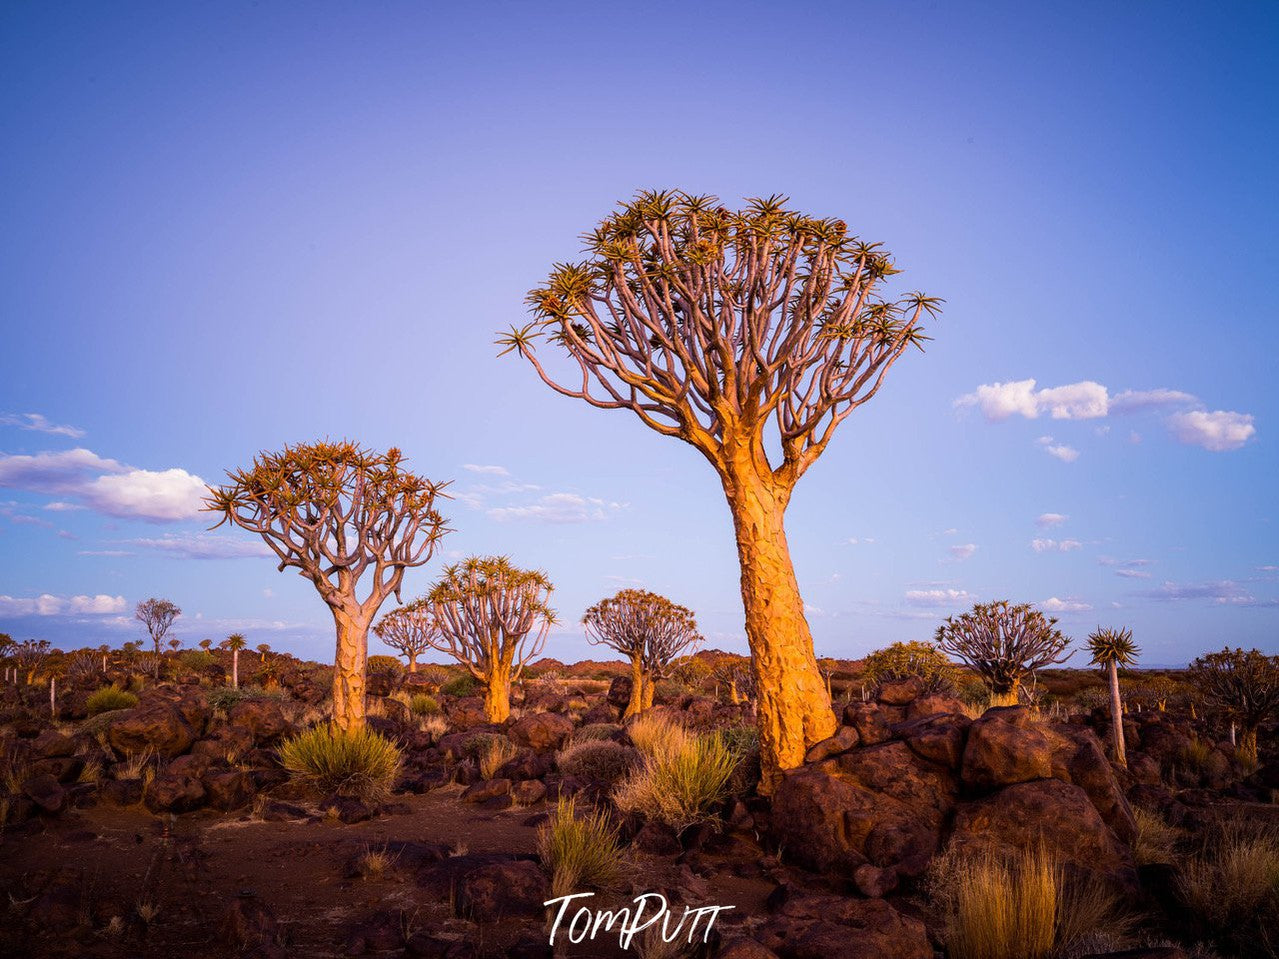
420	704
1018	906
680	777
596	760
359	763
1232	886
109	698
493	754
1156	840
580	849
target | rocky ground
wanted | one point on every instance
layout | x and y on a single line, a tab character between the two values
169	828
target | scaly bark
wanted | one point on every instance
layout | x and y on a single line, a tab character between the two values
1117	716
793	710
349	670
497	693
636	704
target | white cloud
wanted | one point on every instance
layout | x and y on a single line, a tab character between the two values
39	424
1132	573
1067	454
1084	400
47	604
558	508
1054	546
1068	605
490	470
963	551
104	552
204	546
1218	432
105	485
57	506
1220	592
864	540
939	597
1049	520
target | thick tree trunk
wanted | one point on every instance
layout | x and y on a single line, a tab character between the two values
235	669
412	662
349	667
497	694
636	705
1117	715
649	685
793	710
1248	744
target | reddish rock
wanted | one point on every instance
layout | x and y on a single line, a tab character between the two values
937	737
261	718
528	791
739	947
820	927
503	890
933	704
845	738
1005	747
51	744
541	731
159	728
466	713
899	692
871	720
229	789
1056	814
174	793
486	790
46	792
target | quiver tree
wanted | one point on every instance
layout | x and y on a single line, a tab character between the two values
492	617
1110	649
1244	685
1005	644
235	642
157	615
333	512
649	630
408	630
750	335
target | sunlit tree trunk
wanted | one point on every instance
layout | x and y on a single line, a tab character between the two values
636	705
348	671
497	693
1117	715
649	686
235	669
793	710
412	662
1248	745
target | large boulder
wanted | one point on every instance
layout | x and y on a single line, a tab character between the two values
1006	747
541	731
263	719
159	728
1056	815
819	927
178	793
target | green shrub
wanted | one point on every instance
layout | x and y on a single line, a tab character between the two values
1231	889
681	778
911	660
360	763
597	760
596	731
224	697
379	663
196	659
579	850
464	685
109	698
423	705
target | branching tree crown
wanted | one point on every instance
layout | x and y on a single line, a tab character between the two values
409	630
911	660
650	630
493	618
1245	685
1003	643
157	616
711	324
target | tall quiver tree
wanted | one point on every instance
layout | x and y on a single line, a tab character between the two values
647	629
492	618
1005	644
750	335
157	616
1110	649
1245	685
335	511
408	630
235	642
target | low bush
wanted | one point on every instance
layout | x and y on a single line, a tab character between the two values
423	705
579	849
1018	906
654	733
1231	890
109	698
464	685
681	777
1156	840
597	760
596	731
360	763
490	751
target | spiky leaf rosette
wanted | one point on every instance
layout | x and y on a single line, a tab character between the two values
709	324
1116	646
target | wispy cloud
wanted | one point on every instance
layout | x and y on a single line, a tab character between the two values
1068	605
1067	454
488	470
203	546
1076	401
1222	592
1049	520
963	551
105	485
38	423
558	508
1217	432
1055	545
939	598
47	604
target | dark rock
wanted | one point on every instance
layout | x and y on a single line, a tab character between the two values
502	890
1157	952
740	947
871	720
420	945
1004	748
159	728
874	882
657	840
379	932
65	769
276	811
541	731
46	792
122	792
174	793
348	809
845	738
486	790
229	789
528	791
249	923
937	737
619	693
899	692
819	927
467	713
51	744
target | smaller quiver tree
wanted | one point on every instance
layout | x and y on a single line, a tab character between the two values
1110	649
492	618
1004	644
334	512
235	642
649	630
1244	685
408	630
156	615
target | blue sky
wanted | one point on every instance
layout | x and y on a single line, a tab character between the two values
232	227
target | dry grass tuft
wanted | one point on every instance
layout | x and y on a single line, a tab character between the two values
579	849
360	763
1156	840
1232	888
681	775
494	754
